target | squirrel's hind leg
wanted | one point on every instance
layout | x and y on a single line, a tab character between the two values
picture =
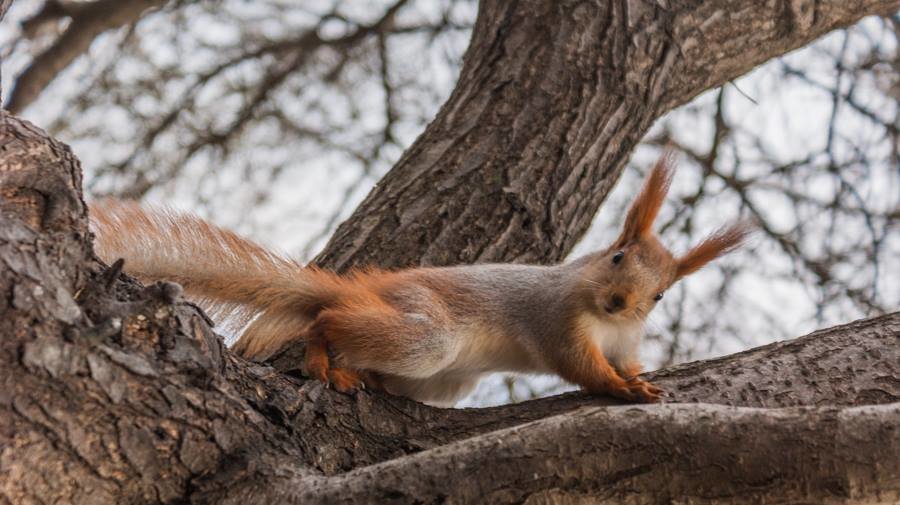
318	364
376	337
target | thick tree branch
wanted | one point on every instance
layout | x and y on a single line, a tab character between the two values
109	392
87	22
643	454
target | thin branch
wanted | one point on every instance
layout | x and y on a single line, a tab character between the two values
87	23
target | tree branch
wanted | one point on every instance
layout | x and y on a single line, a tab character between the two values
643	454
88	21
4	6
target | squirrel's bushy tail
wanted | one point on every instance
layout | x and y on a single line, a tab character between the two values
272	297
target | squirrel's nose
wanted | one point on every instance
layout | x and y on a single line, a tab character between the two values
616	303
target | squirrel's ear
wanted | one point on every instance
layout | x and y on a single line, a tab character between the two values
723	241
646	206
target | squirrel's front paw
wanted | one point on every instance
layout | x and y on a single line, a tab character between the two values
636	390
643	391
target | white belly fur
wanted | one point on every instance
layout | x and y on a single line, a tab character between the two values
440	390
480	349
618	341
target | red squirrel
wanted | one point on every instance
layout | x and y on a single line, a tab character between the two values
426	333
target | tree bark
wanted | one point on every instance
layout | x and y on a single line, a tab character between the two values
644	454
116	393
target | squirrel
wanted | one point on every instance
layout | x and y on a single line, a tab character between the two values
426	333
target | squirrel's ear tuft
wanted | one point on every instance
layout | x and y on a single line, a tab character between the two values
646	206
723	241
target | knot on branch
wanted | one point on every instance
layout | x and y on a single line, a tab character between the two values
40	179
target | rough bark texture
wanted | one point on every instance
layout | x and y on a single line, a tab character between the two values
640	454
111	392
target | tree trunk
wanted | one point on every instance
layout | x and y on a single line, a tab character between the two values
116	393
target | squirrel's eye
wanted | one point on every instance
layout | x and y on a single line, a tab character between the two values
658	297
618	257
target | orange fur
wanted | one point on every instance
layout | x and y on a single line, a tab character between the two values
589	368
316	358
226	273
644	209
368	332
721	242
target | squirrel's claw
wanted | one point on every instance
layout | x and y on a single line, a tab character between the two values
642	391
345	380
318	370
